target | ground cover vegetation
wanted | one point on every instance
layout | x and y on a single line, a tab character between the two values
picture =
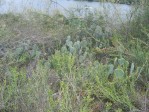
63	63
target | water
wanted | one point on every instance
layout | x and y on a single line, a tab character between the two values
64	6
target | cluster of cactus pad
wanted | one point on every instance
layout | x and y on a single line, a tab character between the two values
79	48
121	68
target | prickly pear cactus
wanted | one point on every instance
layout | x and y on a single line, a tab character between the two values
121	68
79	48
119	73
